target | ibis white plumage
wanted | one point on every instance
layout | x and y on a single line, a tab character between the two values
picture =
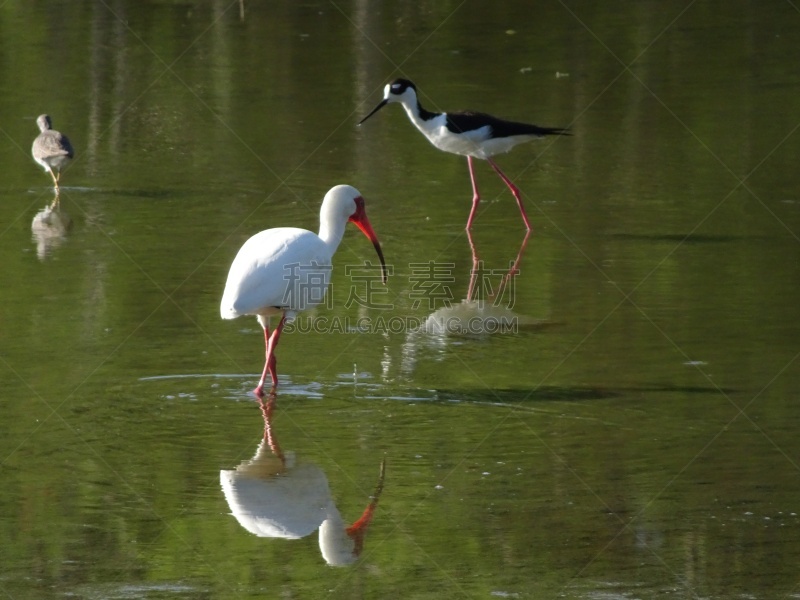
286	270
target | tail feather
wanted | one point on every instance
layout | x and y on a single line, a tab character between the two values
502	128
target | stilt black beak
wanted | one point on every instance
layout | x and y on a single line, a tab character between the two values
381	104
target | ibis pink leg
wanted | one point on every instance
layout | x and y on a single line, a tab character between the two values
259	390
514	190
270	364
476	198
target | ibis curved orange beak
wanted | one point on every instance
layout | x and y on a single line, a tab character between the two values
359	218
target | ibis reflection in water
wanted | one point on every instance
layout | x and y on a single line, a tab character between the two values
275	495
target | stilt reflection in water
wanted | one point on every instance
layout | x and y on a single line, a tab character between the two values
483	311
487	309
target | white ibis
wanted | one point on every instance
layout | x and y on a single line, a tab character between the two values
285	270
471	134
51	149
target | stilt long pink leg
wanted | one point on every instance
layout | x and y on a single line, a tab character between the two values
514	190
476	198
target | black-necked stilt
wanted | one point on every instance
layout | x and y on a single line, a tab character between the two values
286	270
472	134
51	149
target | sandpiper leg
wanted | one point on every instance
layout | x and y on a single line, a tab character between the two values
55	179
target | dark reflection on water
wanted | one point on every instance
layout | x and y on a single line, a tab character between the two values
688	238
547	393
